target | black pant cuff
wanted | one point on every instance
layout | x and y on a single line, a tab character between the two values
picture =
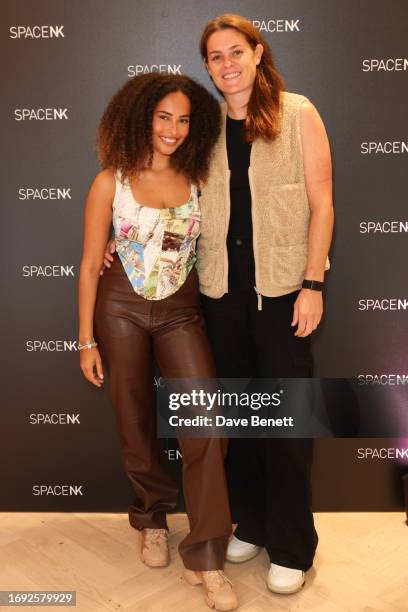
256	539
287	561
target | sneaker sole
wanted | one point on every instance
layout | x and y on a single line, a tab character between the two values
243	558
287	590
211	604
153	564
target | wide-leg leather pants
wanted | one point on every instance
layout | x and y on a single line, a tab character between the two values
130	331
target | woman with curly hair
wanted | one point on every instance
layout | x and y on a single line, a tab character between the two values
154	142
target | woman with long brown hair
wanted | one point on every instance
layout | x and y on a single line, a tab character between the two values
266	231
154	142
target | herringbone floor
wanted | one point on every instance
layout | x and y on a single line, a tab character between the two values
361	565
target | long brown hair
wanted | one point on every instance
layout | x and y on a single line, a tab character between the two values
263	108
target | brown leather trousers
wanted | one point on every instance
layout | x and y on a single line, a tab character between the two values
130	331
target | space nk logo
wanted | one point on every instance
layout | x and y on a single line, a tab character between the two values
389	64
37	31
40	114
382	379
136	69
277	25
53	346
58	490
387	147
390	452
47	271
44	193
391	226
54	418
385	304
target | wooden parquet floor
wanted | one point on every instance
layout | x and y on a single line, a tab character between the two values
361	565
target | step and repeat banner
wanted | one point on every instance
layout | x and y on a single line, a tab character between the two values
62	61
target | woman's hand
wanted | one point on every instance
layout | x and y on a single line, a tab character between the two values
91	365
108	255
307	312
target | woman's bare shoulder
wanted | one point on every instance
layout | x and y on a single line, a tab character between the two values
104	181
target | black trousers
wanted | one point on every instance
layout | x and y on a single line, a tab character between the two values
268	479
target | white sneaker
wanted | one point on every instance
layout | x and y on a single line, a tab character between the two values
239	551
285	579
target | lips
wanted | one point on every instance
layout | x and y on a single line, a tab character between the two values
231	75
168	141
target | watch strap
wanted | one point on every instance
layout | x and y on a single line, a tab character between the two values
313	284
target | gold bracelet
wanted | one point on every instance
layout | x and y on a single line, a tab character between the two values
87	345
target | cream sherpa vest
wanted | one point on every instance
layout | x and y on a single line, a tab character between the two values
280	210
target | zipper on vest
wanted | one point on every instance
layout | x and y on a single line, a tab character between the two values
254	228
227	221
259	295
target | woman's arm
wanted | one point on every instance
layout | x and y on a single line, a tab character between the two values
308	307
97	222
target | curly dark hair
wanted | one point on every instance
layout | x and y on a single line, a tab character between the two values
124	136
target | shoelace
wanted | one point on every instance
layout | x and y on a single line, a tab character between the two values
215	579
155	536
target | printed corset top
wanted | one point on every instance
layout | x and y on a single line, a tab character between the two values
156	245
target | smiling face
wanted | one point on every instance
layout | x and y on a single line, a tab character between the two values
231	61
170	126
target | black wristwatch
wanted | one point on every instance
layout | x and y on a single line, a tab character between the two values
313	284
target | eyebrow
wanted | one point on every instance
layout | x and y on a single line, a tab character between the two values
170	114
232	47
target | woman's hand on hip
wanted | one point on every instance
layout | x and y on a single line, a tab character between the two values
307	312
91	366
108	255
